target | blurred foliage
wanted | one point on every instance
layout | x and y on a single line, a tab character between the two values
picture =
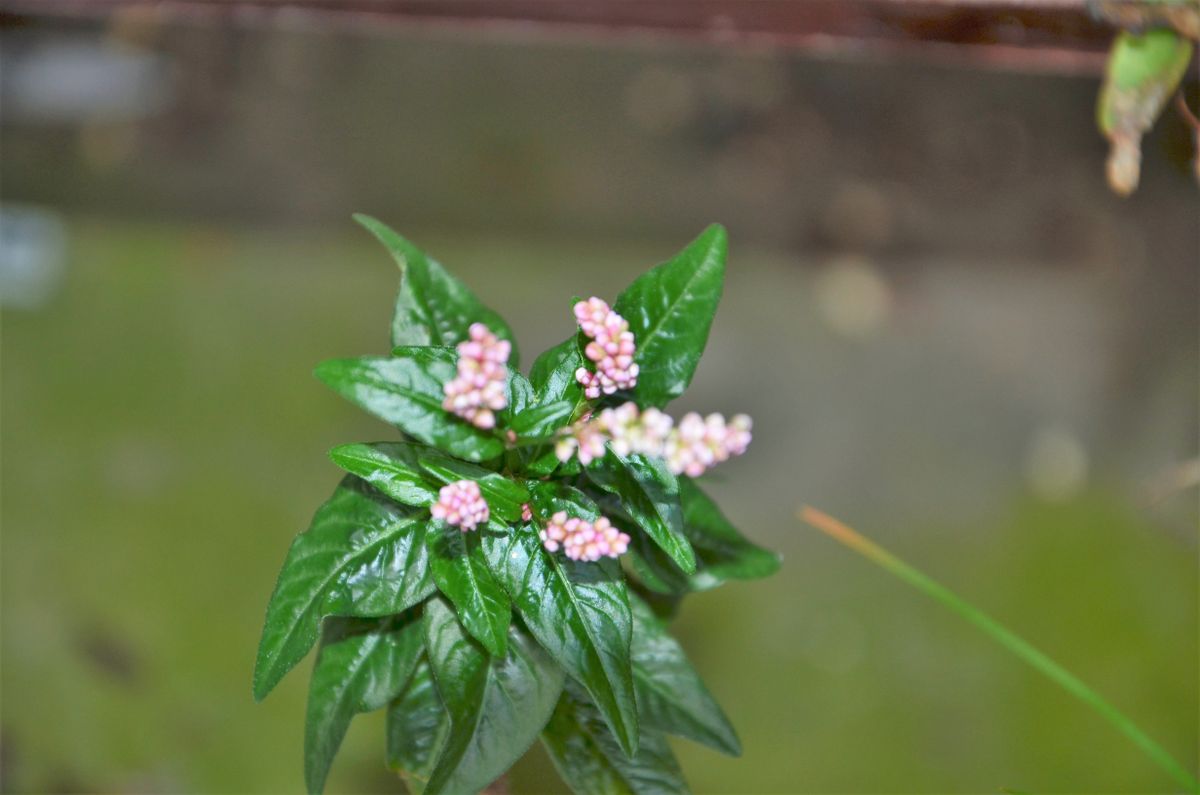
1144	71
159	413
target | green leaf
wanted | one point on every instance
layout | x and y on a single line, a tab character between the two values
553	373
363	555
433	307
504	496
547	497
653	568
591	762
542	462
578	612
363	664
417	728
462	574
724	553
553	379
671	697
670	309
497	705
390	467
519	393
539	422
649	493
406	390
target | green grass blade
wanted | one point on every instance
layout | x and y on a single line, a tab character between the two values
1005	637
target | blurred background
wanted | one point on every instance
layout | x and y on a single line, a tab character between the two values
949	333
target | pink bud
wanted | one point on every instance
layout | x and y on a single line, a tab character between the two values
461	504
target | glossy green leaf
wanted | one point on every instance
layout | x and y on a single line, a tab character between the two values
724	553
363	555
537	422
417	728
591	762
553	379
542	462
462	574
432	307
670	309
649	493
652	567
497	705
406	390
553	373
671	697
503	494
579	612
363	664
549	497
391	467
520	391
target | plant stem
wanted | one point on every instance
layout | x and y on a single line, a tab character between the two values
1005	637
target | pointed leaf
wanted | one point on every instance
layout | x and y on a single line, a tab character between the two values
553	373
724	553
504	496
579	612
363	555
462	574
363	664
650	494
591	762
406	390
671	697
553	380
670	309
539	422
520	396
433	307
653	568
417	728
390	467
497	705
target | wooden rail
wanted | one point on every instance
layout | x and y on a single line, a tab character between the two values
1029	35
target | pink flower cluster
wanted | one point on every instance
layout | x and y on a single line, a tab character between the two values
461	504
624	428
700	443
697	444
580	539
611	349
478	390
585	437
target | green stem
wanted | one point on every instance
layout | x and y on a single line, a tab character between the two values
1005	637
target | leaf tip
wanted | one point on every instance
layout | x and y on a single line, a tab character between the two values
717	230
262	685
323	370
715	236
391	240
341	455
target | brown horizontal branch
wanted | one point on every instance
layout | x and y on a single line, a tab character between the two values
1031	35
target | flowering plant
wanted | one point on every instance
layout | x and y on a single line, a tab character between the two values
468	577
